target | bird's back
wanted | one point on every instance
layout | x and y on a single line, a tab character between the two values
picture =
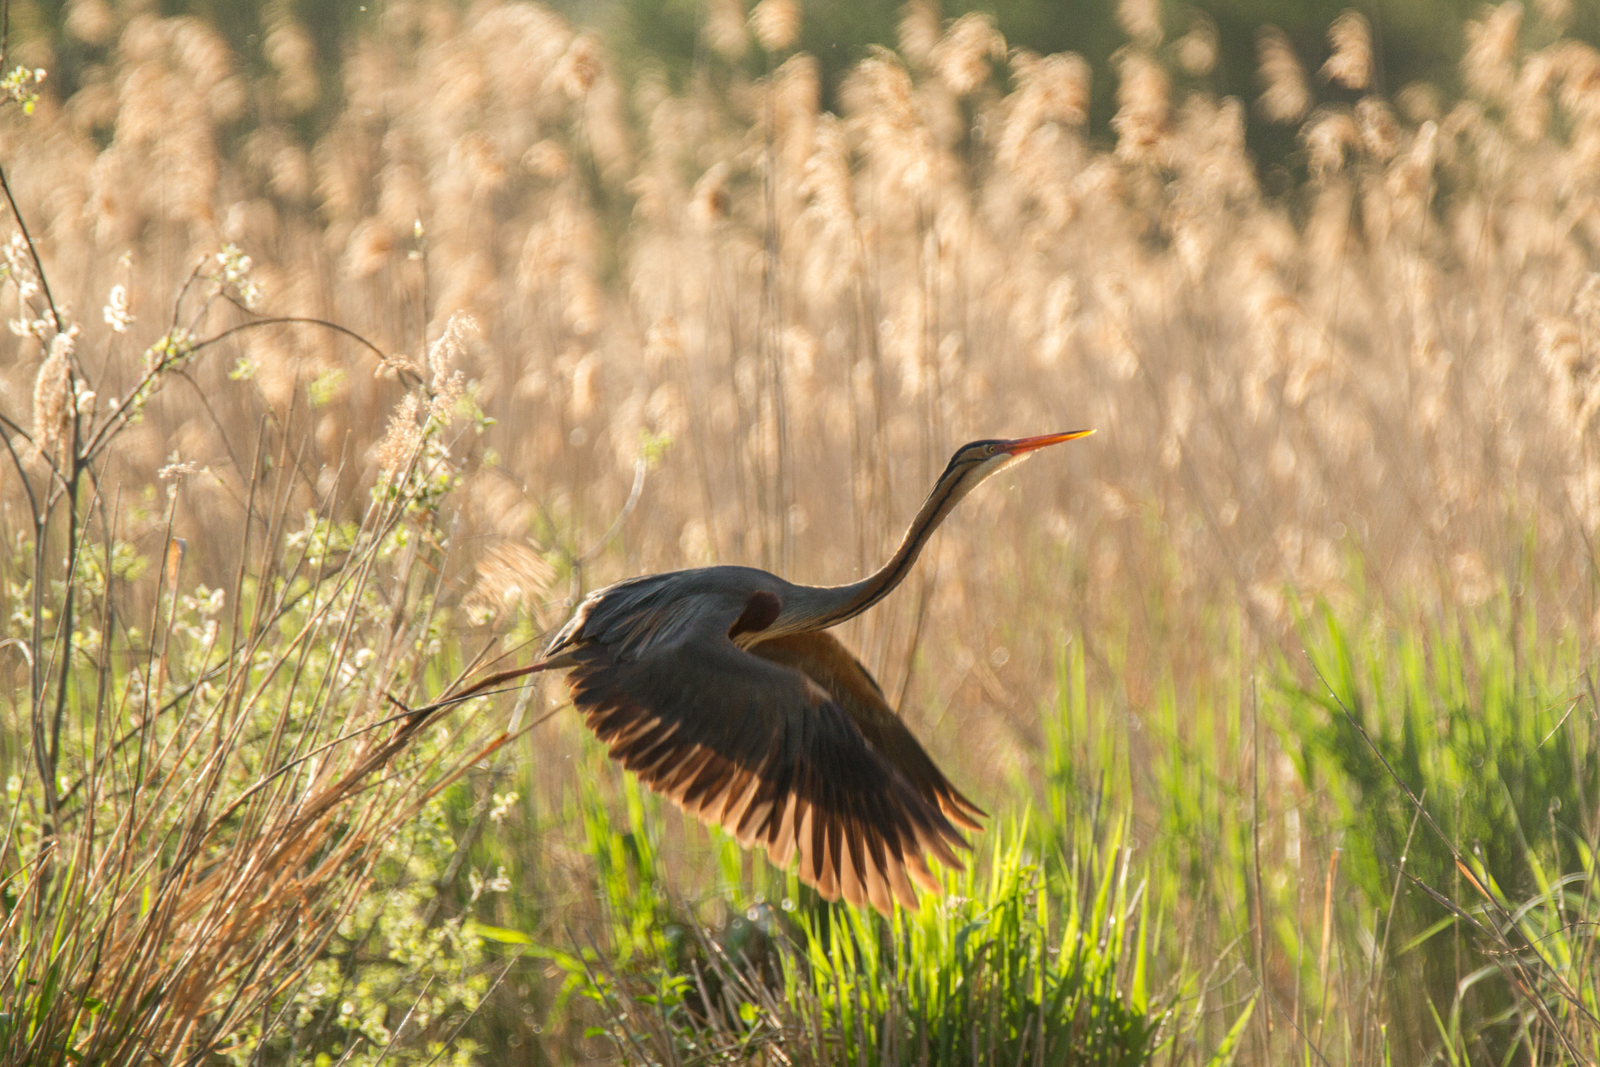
657	609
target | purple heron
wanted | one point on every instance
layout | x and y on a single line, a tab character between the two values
722	690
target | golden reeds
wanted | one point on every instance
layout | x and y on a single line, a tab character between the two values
1286	379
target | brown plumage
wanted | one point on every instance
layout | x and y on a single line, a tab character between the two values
720	690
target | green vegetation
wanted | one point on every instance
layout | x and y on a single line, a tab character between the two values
979	975
1281	689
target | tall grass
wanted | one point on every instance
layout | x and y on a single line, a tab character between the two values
721	324
1471	774
214	789
1008	967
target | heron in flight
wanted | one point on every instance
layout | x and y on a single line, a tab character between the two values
721	688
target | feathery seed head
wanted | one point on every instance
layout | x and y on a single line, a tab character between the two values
370	247
962	56
796	90
1528	112
883	102
776	24
1287	96
1144	95
1579	66
93	22
1411	178
401	440
725	28
1197	49
1328	135
53	395
1555	12
1052	89
393	366
827	180
667	411
663	344
510	575
449	348
710	201
1489	64
475	157
1420	102
919	31
1380	132
580	66
1560	347
1351	62
1586	305
547	159
293	55
1573	372
584	368
582	303
1141	20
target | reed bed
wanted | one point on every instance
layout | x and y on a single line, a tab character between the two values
1312	615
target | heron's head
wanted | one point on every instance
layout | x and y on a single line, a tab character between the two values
978	460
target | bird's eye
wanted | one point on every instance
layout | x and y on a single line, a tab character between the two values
988	450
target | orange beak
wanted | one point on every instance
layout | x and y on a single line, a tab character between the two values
1027	444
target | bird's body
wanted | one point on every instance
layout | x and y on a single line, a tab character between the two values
721	689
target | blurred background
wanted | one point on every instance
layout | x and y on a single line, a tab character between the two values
729	282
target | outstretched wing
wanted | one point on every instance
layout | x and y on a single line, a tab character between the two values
764	751
823	659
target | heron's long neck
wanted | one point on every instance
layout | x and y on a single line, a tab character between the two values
830	605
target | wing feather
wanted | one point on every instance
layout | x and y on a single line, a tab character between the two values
766	751
788	744
822	658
